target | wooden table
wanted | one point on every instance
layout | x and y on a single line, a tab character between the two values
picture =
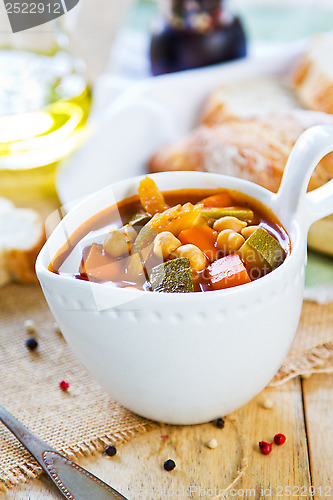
302	410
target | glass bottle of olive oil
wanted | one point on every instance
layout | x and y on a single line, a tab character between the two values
44	103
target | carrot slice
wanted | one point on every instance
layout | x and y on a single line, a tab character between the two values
204	237
218	200
227	272
151	197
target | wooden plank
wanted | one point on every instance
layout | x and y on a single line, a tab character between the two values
287	465
137	469
318	405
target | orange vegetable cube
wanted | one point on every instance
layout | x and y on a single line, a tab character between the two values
218	200
227	272
99	266
204	237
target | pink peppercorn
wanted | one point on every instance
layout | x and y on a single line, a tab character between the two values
279	439
64	385
265	448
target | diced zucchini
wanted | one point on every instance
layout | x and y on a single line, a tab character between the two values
173	276
145	237
139	220
141	249
218	212
134	269
262	251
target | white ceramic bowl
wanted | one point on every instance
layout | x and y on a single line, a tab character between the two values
190	358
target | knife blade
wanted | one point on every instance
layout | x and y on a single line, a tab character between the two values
74	482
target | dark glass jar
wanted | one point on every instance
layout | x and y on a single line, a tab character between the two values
195	33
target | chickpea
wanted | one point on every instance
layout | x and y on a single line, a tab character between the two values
165	243
248	231
30	326
197	259
129	232
229	223
115	244
229	241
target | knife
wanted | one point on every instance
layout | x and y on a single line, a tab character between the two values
74	482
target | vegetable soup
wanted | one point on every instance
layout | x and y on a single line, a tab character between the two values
192	240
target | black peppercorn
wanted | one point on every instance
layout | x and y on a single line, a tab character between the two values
110	451
169	465
31	344
220	423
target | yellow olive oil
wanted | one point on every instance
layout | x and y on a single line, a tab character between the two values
44	103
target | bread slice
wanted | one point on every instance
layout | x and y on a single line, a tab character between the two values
248	99
313	78
255	149
21	238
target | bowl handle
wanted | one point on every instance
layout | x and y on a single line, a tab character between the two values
292	198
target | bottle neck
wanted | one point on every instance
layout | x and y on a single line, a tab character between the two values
198	15
45	39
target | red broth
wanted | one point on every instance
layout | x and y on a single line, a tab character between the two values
216	275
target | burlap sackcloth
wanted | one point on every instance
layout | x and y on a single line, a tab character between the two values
82	421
